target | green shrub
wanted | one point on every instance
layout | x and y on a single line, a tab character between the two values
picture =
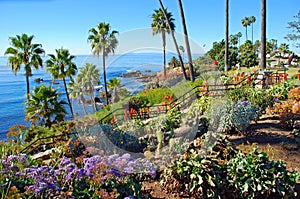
157	96
104	115
281	91
138	101
224	172
253	175
229	117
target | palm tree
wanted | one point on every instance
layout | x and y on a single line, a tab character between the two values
113	84
233	39
283	49
76	91
104	40
263	34
252	20
226	35
43	106
246	23
159	25
239	35
62	66
187	44
181	48
89	76
174	40
24	52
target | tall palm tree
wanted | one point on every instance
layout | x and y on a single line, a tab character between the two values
160	25
87	77
44	107
252	20
246	23
187	44
24	52
226	34
174	40
61	66
104	40
77	91
113	84
263	34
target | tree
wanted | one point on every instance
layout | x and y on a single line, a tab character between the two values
77	91
216	49
61	66
248	56
87	77
246	23
175	42
232	58
44	106
160	25
295	27
233	39
104	40
113	84
263	34
24	52
239	35
174	63
252	20
181	48
282	50
271	47
226	35
187	43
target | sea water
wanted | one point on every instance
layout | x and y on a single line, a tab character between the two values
13	86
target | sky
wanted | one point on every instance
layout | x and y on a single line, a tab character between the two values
65	23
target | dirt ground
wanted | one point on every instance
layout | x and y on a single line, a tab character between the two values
269	136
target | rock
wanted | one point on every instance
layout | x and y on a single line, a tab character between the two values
132	74
39	80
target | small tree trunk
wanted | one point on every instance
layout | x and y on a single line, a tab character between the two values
68	98
83	104
164	51
104	76
28	87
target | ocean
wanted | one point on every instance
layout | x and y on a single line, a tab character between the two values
13	87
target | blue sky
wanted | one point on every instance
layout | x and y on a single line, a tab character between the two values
65	23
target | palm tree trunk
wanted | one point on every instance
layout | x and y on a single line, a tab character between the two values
175	43
226	35
83	104
93	98
252	32
263	35
104	76
68	98
28	87
187	43
246	33
163	33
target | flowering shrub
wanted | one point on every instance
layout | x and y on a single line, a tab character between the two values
289	110
98	177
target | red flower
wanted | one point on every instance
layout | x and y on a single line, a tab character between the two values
216	63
